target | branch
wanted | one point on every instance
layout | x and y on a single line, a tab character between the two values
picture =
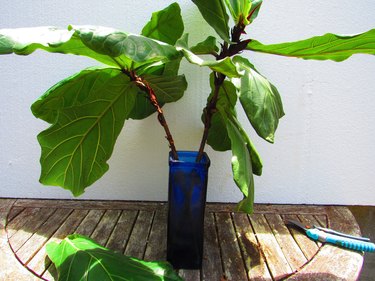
145	86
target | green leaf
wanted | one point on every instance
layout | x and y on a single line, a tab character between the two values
239	10
326	47
90	115
205	47
80	258
69	92
224	66
254	10
106	45
260	100
241	163
167	89
215	15
165	25
218	137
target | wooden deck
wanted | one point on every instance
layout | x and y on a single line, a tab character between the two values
237	247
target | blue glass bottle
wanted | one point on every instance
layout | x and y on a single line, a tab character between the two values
186	202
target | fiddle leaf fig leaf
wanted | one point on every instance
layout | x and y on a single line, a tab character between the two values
227	98
106	45
165	25
90	116
326	47
224	66
216	16
69	92
241	163
260	100
206	47
218	137
239	10
80	258
254	10
167	89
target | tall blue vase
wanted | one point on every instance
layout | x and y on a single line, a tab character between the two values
186	202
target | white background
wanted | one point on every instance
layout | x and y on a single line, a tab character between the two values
324	150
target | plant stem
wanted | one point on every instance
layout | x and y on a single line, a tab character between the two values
209	111
145	86
233	49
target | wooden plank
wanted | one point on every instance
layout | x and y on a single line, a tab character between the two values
89	222
288	245
276	261
212	269
14	212
311	221
190	275
105	226
39	238
331	262
157	242
139	236
234	267
29	228
270	208
40	262
322	220
254	261
11	269
309	247
120	235
90	204
17	223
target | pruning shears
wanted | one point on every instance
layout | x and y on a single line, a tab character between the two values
334	237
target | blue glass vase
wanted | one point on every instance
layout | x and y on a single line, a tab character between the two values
186	202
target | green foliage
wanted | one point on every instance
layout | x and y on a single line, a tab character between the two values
165	25
239	9
215	14
80	258
75	149
205	47
260	100
326	47
88	110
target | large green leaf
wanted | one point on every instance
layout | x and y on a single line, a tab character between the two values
215	14
165	25
107	45
208	46
80	258
69	92
75	149
218	137
241	163
326	47
224	66
167	89
260	100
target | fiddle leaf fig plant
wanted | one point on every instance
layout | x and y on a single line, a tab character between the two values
140	73
242	82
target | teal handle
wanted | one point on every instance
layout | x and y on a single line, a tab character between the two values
348	243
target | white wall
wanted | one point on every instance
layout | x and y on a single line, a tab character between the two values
324	150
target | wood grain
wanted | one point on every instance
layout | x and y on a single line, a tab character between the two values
236	246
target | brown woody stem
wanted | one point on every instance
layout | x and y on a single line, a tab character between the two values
235	48
145	86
